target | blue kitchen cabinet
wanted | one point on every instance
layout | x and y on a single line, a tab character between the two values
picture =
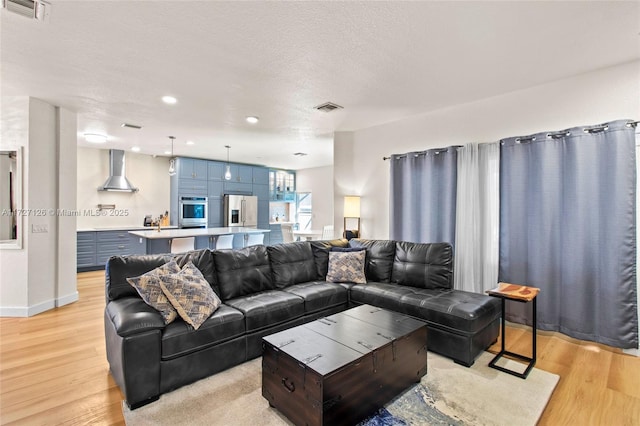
85	249
260	175
215	170
192	168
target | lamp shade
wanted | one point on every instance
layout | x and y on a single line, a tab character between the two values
351	206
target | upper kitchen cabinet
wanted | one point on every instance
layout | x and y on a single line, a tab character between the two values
215	171
282	185
191	168
261	175
261	184
241	173
241	180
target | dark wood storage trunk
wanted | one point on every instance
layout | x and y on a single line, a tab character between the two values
339	369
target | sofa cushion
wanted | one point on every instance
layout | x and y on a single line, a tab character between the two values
423	265
268	308
382	295
455	309
346	267
320	295
292	263
203	259
320	251
190	294
148	286
380	256
242	272
179	339
119	268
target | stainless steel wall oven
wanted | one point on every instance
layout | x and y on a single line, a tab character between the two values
192	212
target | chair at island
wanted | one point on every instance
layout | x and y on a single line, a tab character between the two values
255	239
182	245
224	242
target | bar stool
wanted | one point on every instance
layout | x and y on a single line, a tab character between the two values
182	245
224	242
255	239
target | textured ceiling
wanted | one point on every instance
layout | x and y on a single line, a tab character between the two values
112	61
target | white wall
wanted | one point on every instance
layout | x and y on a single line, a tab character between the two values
67	199
318	181
39	276
591	98
150	175
14	266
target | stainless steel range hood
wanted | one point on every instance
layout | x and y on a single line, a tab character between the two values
117	181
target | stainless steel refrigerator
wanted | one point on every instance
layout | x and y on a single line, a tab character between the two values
241	210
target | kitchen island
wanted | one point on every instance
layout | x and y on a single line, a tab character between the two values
160	241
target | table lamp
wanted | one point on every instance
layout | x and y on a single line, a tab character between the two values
351	217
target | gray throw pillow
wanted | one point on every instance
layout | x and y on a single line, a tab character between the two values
346	267
148	287
191	295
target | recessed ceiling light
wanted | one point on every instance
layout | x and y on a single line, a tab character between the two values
167	153
190	143
169	100
95	138
252	119
135	148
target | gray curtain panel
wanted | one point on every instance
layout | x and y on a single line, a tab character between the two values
423	196
568	226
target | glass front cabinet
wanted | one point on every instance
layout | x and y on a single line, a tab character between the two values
282	185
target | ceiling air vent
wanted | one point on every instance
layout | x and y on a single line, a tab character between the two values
32	9
328	107
131	126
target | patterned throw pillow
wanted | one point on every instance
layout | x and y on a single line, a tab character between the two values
191	295
148	287
346	267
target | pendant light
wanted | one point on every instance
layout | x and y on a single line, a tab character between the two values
227	173
172	161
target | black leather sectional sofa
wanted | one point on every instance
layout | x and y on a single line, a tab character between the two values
268	289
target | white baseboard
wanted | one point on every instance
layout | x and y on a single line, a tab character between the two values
634	352
29	311
41	307
12	311
69	298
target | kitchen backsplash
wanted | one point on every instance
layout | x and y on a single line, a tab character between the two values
149	174
279	210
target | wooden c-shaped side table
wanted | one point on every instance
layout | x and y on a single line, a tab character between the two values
523	294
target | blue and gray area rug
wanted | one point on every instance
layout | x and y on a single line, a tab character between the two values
454	395
414	407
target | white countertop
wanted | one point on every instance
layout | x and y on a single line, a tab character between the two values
196	232
122	228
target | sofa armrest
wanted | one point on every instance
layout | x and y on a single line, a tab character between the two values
130	315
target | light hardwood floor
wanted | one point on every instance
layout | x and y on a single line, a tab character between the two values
53	370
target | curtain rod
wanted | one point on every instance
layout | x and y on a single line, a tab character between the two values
552	135
416	153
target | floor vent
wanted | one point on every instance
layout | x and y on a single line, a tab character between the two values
328	107
32	9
